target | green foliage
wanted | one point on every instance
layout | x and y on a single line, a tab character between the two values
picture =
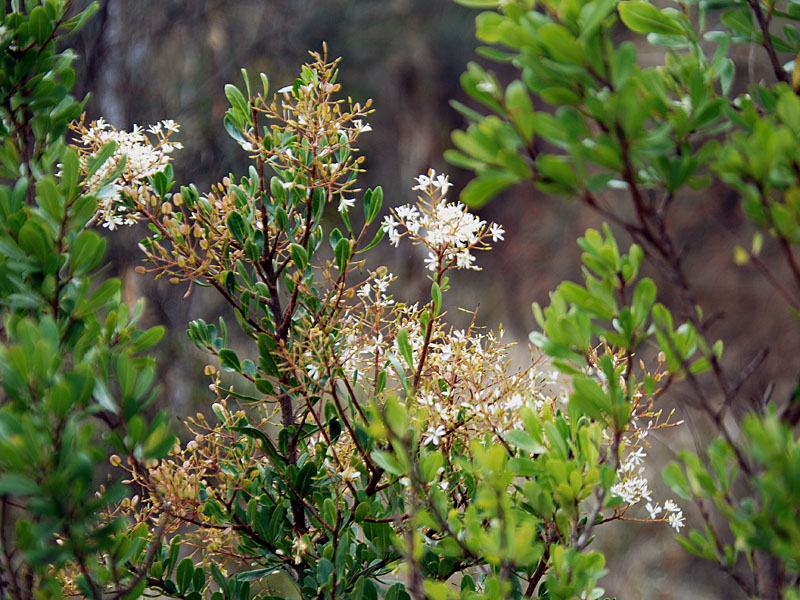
359	447
627	141
361	437
75	382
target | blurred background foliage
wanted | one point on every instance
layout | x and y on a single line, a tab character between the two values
146	60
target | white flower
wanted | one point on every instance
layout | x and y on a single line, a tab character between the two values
431	262
390	227
143	159
676	520
361	127
350	474
346	203
434	435
496	231
364	291
653	510
442	182
670	506
632	489
313	372
464	260
382	283
423	181
170	125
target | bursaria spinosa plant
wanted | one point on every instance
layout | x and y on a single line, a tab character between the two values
363	448
583	119
360	447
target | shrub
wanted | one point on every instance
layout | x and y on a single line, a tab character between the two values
75	384
628	142
359	446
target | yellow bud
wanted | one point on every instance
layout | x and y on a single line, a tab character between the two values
740	256
166	208
115	460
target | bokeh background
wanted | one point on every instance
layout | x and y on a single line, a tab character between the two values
146	60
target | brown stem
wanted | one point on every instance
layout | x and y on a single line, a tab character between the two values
541	569
763	24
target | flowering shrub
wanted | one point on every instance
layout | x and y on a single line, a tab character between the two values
629	142
372	440
358	446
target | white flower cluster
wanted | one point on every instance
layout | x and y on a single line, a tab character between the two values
674	514
448	231
143	158
632	487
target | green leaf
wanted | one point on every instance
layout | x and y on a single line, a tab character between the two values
379	235
98	159
387	462
255	575
107	290
520	109
39	25
147	339
436	296
238	102
644	296
229	360
49	199
237	226
674	477
266	362
362	511
88	250
485	187
69	172
299	256
642	17
14	484
583	299
523	440
342	254
624	63
592	15
183	574
560	44
405	348
373	201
